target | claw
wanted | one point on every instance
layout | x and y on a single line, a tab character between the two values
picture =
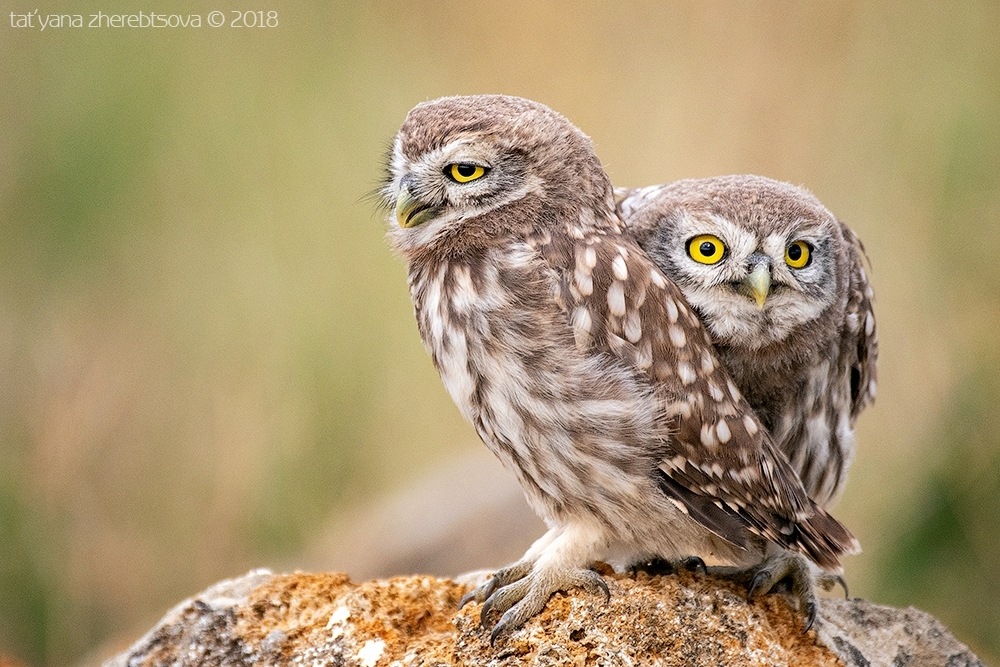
661	566
487	612
810	612
694	564
486	591
791	573
484	615
757	582
654	567
500	629
592	583
467	598
604	587
827	581
843	584
527	596
500	578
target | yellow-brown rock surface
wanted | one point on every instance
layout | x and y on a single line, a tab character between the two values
686	619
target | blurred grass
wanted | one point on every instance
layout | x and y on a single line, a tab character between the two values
206	348
945	557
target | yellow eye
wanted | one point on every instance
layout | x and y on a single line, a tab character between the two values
706	249
463	172
798	254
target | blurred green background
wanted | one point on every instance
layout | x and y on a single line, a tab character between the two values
207	350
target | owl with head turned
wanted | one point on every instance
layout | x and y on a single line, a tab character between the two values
580	364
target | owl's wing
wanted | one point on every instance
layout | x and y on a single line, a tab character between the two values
722	467
862	343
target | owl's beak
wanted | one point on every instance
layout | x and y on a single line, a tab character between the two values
411	211
759	282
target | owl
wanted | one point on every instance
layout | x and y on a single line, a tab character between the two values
578	361
781	286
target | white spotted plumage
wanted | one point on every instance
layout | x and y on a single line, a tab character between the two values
805	358
797	336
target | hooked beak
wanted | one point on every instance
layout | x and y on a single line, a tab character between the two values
759	283
411	211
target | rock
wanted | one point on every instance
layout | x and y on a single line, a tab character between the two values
686	619
863	634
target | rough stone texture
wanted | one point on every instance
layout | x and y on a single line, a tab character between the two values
687	619
863	634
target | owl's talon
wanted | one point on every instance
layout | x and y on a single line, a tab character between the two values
594	583
505	626
694	564
665	567
796	571
762	580
656	566
467	598
502	577
827	581
810	611
519	601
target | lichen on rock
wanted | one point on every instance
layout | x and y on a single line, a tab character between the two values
686	619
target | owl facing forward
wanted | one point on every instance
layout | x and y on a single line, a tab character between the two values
781	286
578	362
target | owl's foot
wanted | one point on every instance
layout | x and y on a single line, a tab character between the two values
790	572
502	577
661	566
557	561
518	601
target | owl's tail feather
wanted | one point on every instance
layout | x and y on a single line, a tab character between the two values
823	540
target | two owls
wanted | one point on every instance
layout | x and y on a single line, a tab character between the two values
670	372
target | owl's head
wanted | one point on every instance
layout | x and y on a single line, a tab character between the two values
757	258
464	170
